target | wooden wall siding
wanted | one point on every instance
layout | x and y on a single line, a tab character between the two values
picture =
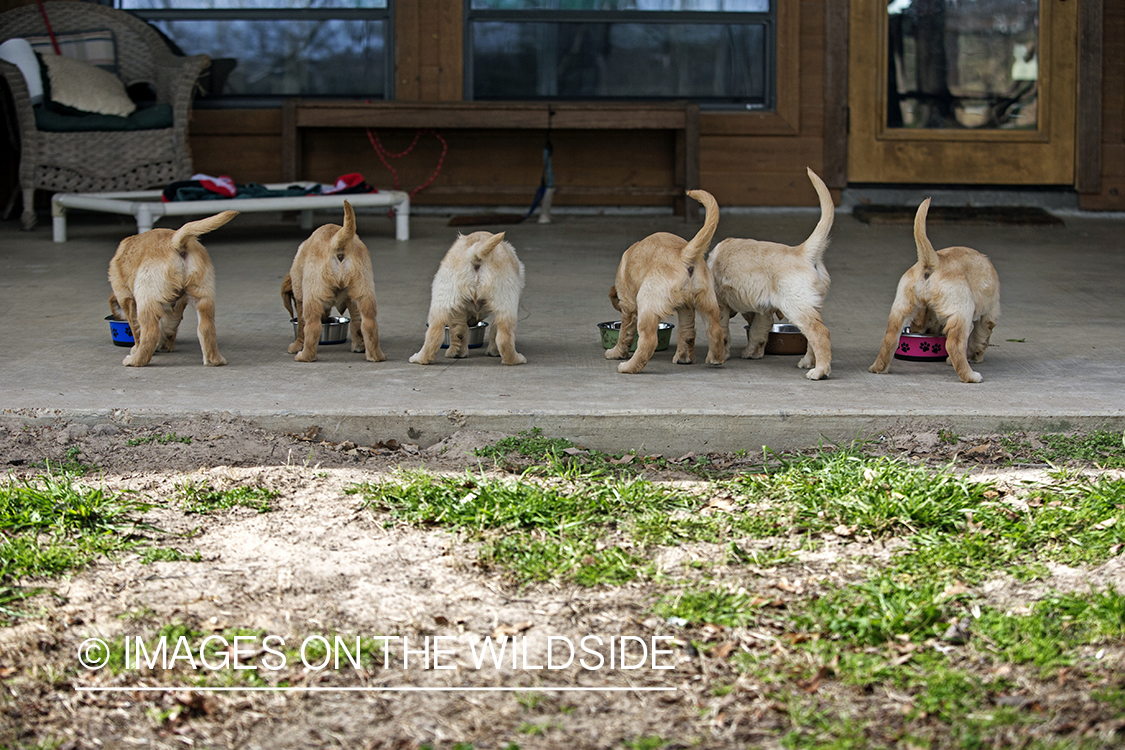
428	45
769	169
1111	196
242	143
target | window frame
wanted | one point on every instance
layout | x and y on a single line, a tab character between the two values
768	19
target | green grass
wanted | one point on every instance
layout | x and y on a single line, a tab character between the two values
71	464
1105	448
52	526
535	531
167	554
163	438
713	606
200	497
1056	627
552	456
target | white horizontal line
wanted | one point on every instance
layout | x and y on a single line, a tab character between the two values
407	689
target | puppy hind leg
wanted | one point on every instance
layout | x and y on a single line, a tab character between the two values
146	335
648	324
434	335
369	328
900	312
625	335
299	339
685	339
708	306
978	340
819	354
205	310
458	339
506	340
311	330
759	332
956	343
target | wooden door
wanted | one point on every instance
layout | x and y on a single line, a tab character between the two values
962	91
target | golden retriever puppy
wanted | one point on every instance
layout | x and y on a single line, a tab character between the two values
333	268
955	290
760	279
153	276
479	276
657	275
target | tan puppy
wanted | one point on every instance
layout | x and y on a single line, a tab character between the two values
759	279
333	267
479	276
153	275
956	290
657	275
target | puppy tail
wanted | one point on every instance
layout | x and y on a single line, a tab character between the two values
817	242
693	252
926	255
195	228
287	294
346	233
485	248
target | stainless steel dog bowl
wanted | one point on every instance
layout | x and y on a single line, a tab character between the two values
476	335
332	331
784	338
610	330
921	347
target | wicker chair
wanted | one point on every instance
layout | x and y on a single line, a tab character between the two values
102	161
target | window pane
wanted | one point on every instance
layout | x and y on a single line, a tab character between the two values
963	64
756	6
714	62
333	57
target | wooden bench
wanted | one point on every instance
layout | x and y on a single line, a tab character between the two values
303	114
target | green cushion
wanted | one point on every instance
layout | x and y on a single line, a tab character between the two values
153	118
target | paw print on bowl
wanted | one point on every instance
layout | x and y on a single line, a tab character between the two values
904	347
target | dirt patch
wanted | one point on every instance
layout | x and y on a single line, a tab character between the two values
321	564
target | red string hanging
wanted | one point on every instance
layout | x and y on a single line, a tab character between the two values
50	31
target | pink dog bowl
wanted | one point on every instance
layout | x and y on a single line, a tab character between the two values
920	347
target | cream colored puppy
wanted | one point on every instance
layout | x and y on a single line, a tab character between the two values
759	279
333	267
657	275
955	289
479	276
153	274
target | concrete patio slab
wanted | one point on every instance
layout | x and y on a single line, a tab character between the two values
1057	359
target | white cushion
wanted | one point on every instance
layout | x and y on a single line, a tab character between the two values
19	53
77	84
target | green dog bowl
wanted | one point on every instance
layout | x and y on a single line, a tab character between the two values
610	330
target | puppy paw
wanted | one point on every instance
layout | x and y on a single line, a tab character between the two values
452	353
519	359
683	359
818	373
302	357
616	353
294	348
218	361
377	356
628	368
132	361
875	368
807	362
418	359
358	347
714	360
753	352
974	377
